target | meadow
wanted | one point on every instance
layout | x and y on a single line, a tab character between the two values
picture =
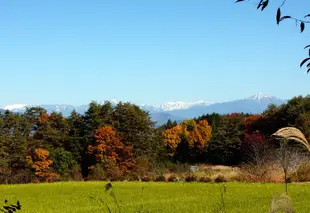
152	197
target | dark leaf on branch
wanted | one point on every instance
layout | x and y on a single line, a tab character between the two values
284	17
302	26
307	46
239	1
260	4
307	16
308	71
278	17
265	4
304	61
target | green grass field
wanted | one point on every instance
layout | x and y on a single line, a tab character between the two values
155	197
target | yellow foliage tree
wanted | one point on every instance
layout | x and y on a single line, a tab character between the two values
195	135
172	138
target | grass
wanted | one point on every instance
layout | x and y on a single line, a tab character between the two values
155	197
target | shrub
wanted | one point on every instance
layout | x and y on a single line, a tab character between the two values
302	174
76	174
239	178
97	173
289	180
190	178
146	179
160	178
21	176
115	174
179	168
172	178
142	166
220	179
35	180
205	179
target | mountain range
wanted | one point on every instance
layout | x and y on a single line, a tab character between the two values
173	110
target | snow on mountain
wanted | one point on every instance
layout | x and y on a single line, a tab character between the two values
14	107
175	105
263	97
182	105
173	110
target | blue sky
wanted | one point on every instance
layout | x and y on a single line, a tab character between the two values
72	52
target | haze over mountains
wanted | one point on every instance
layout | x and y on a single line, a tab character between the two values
173	110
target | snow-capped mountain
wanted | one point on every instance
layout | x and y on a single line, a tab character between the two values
175	105
263	97
177	110
253	104
14	107
65	109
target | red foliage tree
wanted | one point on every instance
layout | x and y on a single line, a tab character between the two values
251	123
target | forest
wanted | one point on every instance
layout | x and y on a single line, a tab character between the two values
120	142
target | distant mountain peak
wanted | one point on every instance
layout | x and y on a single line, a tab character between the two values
175	105
14	107
262	96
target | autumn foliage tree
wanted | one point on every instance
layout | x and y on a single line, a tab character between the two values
187	141
110	151
41	164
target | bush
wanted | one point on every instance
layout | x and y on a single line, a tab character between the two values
220	179
115	174
302	174
239	178
146	179
35	180
142	166
289	180
172	178
76	174
160	178
190	178
132	176
179	168
97	173
21	177
205	179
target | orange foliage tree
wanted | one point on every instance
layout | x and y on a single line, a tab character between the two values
172	138
110	150
43	118
189	136
251	123
39	162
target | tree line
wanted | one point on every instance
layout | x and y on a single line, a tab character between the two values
116	141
